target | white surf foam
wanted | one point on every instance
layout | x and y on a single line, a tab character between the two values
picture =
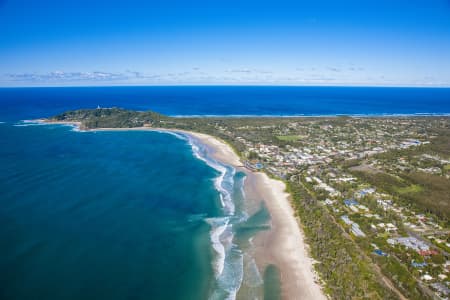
228	259
230	280
218	227
225	174
25	123
177	135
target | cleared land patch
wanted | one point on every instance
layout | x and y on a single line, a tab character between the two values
289	138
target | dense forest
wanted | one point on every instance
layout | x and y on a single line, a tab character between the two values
110	118
427	192
346	272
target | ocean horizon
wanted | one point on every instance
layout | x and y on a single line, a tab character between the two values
230	101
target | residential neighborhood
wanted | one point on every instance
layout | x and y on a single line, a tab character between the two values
332	158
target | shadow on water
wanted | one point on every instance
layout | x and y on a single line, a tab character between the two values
272	285
257	222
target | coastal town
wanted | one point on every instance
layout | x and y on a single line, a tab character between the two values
343	164
372	194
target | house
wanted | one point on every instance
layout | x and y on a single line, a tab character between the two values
354	226
426	277
412	243
253	166
363	207
428	252
357	231
379	252
391	227
441	288
418	265
364	192
346	220
350	202
328	202
391	242
354	209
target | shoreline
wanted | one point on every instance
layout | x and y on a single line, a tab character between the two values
283	245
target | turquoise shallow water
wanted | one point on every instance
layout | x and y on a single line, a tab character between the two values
104	215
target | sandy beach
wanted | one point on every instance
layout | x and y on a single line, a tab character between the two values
283	245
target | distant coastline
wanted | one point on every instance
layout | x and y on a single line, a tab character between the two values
380	115
234	101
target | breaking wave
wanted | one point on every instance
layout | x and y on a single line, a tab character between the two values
224	182
228	258
25	123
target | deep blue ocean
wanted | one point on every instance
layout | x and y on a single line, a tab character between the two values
28	103
142	215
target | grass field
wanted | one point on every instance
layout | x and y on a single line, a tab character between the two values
411	189
289	138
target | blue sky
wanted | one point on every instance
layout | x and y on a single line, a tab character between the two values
383	42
